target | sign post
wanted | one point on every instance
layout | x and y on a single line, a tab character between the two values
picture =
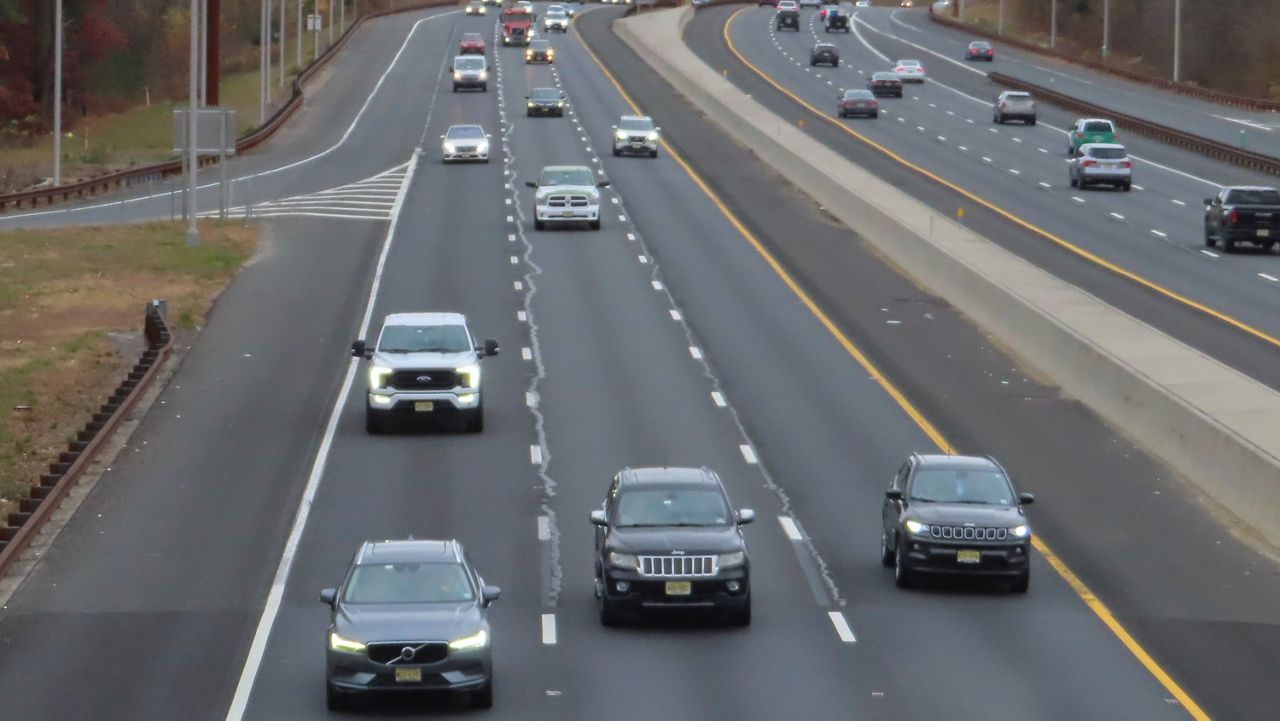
215	132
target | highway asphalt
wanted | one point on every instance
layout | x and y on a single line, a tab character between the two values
149	603
944	126
1226	124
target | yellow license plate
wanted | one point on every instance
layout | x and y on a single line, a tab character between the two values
968	557
679	588
567	214
1264	233
408	675
424	406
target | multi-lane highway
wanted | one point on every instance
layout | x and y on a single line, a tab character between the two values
717	318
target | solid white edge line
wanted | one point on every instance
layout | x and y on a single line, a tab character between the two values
790	528
748	454
549	629
258	648
842	626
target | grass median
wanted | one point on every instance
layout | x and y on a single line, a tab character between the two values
71	312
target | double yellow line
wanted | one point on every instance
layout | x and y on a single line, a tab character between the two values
1078	586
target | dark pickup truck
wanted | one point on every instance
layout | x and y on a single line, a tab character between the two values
1242	214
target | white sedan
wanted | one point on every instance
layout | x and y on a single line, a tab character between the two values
909	71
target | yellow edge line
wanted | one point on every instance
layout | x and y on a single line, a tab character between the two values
1094	604
1061	242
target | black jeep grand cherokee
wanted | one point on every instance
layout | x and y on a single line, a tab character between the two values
955	515
666	538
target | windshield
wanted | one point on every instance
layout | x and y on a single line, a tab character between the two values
637	124
566	176
909	63
473	38
951	485
539	44
1097	126
979	46
409	583
465	132
858	95
1254	196
1107	153
469	63
883	77
1017	97
424	339
556	14
545	94
672	507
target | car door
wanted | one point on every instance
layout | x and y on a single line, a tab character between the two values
609	506
893	508
1213	213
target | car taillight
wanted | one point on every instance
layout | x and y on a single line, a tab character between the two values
874	104
1126	164
1232	217
991	52
1089	163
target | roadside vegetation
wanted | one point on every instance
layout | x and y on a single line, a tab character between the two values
1227	45
71	312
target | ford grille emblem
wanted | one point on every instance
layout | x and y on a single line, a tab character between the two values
424	379
407	653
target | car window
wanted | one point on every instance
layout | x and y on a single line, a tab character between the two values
672	507
1253	196
409	583
1107	153
424	339
858	95
952	485
556	14
540	44
465	132
979	46
473	38
909	63
1098	126
635	124
1017	96
567	176
545	94
469	63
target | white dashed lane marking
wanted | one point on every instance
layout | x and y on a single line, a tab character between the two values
790	528
549	629
842	626
526	353
748	454
718	398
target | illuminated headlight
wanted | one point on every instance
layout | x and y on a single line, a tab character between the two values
450	148
469	376
559	103
484	74
528	54
1020	531
466	398
530	104
483	148
345	645
621	135
731	560
917	527
653	135
624	560
457	75
382	400
378	376
479	639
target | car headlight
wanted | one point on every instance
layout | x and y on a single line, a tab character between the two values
484	74
457	75
1020	531
479	639
345	645
559	103
653	135
469	376
483	149
624	560
450	148
378	376
529	104
621	135
917	527
731	560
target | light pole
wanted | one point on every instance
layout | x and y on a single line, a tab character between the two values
1106	28
57	94
1053	24
300	4
330	22
262	63
1000	18
343	13
1177	41
204	58
267	6
193	233
283	37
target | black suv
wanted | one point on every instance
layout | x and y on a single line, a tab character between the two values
787	19
955	515
666	538
825	54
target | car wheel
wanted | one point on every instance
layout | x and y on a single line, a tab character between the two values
1269	245
1127	187
811	63
742	616
1073	181
835	64
609	616
484	697
374	422
1021	583
539	225
997	119
616	152
475	419
1228	245
886	556
594	224
875	115
455	88
1081	184
1209	240
484	88
335	699
653	153
1031	122
902	576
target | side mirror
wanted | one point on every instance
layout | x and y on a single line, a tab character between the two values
490	594
657	129
442	137
893	494
329	597
614	127
1026	499
598	518
1209	201
358	349
530	184
491	347
603	183
746	516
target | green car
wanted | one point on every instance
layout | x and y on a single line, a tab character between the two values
1089	130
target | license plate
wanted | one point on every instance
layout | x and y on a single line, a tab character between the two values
1109	166
408	675
424	406
968	557
566	214
679	588
1264	233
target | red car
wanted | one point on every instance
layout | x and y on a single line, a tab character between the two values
979	50
768	3
471	44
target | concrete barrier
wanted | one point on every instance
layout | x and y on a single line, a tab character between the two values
1214	425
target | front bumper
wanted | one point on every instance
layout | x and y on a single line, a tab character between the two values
650	594
471	81
631	146
548	214
465	154
994	559
515	39
562	27
538	58
544	110
461	671
409	402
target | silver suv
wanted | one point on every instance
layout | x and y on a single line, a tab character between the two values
636	134
1014	105
470	71
424	365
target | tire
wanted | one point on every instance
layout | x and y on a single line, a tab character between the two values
616	152
902	576
1269	246
1031	122
842	114
528	113
1081	184
594	224
875	115
1021	583
835	64
475	419
899	95
484	697
609	616
539	225
1209	240
1127	187
455	87
484	88
811	63
1228	245
653	153
740	617
1073	182
996	119
335	699
887	558
374	422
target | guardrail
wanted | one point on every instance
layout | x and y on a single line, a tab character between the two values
147	173
1182	88
45	497
1163	133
